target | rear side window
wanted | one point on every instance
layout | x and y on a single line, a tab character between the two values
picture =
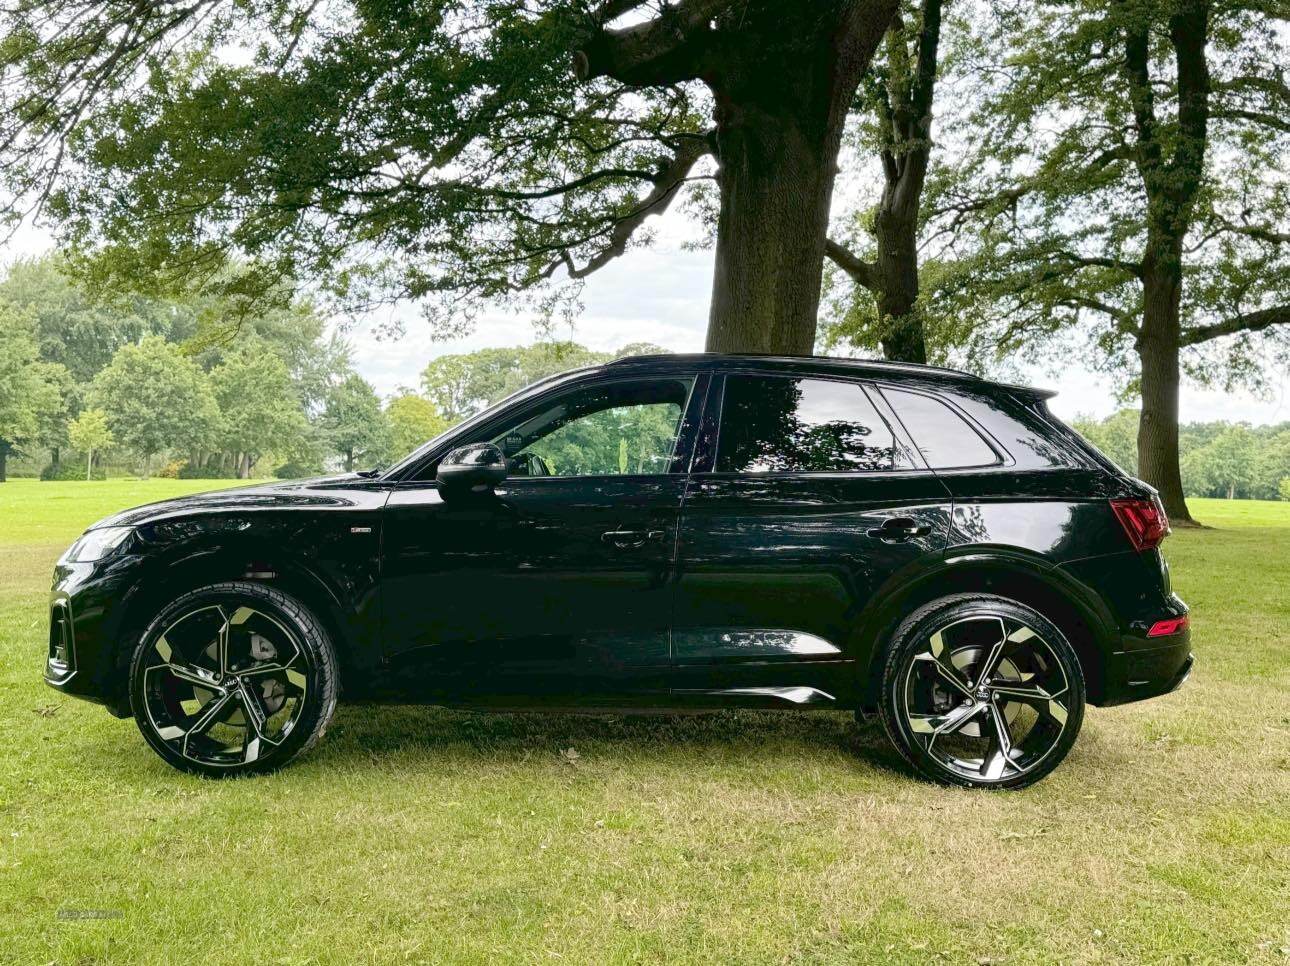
776	424
945	438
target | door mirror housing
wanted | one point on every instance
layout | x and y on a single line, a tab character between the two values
475	468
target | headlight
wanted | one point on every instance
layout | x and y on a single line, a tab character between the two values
96	544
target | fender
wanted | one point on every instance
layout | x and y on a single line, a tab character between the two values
1004	570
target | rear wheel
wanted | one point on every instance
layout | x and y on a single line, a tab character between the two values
233	678
982	691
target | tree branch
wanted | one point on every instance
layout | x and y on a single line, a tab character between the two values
659	51
1096	261
666	184
1249	322
862	273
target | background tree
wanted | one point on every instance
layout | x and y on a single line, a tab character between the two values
462	385
354	425
894	114
156	398
1224	466
413	419
258	408
440	150
1128	174
89	432
30	394
1116	436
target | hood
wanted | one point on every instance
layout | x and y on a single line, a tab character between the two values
326	492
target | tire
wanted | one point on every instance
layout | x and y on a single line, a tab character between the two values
231	679
1004	732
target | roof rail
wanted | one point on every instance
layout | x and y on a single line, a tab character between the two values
777	357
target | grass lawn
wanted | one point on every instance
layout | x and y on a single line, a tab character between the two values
417	834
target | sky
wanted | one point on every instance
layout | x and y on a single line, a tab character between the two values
660	295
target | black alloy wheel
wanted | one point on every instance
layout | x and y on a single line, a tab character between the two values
982	691
233	678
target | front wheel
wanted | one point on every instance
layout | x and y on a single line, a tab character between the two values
981	691
233	678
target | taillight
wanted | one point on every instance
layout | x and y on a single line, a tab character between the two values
1144	521
1171	625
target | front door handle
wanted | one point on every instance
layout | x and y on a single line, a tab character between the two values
631	539
899	529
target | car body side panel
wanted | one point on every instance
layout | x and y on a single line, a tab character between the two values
323	536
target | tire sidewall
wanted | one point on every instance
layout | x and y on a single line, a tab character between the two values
907	639
316	652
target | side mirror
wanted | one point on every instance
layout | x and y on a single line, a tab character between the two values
475	468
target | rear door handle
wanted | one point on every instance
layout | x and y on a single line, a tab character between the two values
899	529
631	539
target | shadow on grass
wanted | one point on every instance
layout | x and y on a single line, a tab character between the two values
410	735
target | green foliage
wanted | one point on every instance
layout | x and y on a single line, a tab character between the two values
1081	179
353	425
156	398
413	420
442	151
623	439
71	470
90	431
1218	459
30	396
1116	436
74	329
462	385
258	407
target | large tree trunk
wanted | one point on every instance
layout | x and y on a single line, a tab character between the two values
896	230
780	109
1158	351
4	459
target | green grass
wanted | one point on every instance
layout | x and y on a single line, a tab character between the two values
417	834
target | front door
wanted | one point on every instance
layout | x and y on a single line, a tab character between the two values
807	499
557	588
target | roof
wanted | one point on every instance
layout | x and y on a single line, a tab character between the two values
870	367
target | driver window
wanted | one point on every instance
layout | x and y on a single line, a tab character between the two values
611	429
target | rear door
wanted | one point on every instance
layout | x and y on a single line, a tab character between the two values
806	499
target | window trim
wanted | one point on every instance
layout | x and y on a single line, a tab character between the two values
710	436
485	429
1002	458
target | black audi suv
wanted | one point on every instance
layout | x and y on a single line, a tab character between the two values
665	532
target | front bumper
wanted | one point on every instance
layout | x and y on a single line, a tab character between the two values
85	609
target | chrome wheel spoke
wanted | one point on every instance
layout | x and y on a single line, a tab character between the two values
938	657
998	755
991	659
936	725
209	715
1042	701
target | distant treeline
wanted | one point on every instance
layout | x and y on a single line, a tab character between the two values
1219	459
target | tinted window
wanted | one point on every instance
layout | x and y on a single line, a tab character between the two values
772	424
612	429
943	437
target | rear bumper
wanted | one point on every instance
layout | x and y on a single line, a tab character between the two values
1148	668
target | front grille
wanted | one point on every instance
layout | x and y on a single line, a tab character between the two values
61	661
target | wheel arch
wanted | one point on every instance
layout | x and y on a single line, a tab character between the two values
195	568
1073	607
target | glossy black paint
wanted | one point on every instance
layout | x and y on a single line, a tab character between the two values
683	588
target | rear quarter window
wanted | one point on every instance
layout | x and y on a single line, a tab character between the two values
946	440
